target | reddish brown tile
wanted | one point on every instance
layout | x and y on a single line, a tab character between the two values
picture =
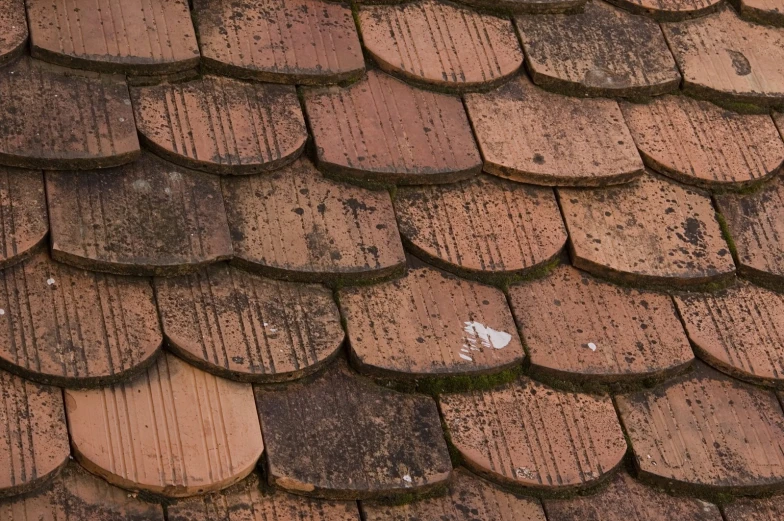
527	6
146	218
485	227
530	135
60	119
603	51
577	327
340	436
707	432
652	232
761	11
295	224
441	44
282	41
221	125
13	30
698	143
173	430
670	10
24	225
382	130
746	509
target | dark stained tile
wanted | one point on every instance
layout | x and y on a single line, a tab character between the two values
341	436
670	10
769	12
282	41
527	6
222	125
530	135
60	119
174	430
579	328
13	30
145	218
747	509
651	232
23	217
603	51
382	130
295	224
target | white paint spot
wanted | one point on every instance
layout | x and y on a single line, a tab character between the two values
50	281
591	346
142	185
2	311
487	336
466	357
407	479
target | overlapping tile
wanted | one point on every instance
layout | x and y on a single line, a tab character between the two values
527	6
381	130
13	30
746	509
526	434
761	11
578	328
652	232
173	430
23	217
282	41
530	135
670	10
603	51
243	326
57	118
145	218
340	436
222	125
295	224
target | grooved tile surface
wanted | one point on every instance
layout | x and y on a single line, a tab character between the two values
242	326
283	41
298	225
222	125
13	30
59	119
174	430
384	131
527	6
746	509
761	11
526	434
439	43
148	217
696	142
670	10
533	136
603	51
575	326
133	36
23	217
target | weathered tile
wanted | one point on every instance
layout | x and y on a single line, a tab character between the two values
706	432
222	125
670	10
527	6
60	119
747	509
128	36
146	218
34	439
769	12
579	328
602	51
282	41
23	217
382	130
340	436
174	430
245	327
484	227
652	232
530	135
441	44
13	30
295	224
578	440
698	143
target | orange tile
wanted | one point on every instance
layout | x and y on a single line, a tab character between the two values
747	509
23	206
770	12
670	10
13	27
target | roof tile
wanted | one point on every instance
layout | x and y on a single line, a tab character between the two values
23	206
527	6
13	28
747	509
670	10
761	11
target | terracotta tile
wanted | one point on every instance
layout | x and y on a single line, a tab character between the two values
725	58
13	28
747	509
670	10
603	51
530	135
381	130
23	206
340	436
295	224
577	327
527	6
578	440
221	125
282	41
441	44
34	441
469	498
174	430
245	327
430	323
698	143
769	12
706	432
483	227
652	232
60	119
146	218
129	36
